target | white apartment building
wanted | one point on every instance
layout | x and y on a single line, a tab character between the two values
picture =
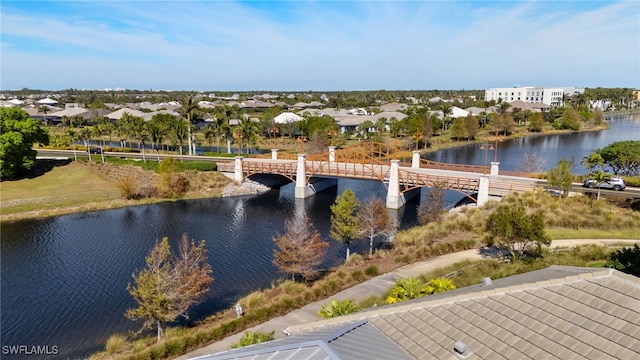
532	94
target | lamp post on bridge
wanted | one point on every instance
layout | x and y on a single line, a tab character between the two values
486	147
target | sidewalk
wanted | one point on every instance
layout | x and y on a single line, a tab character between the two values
375	286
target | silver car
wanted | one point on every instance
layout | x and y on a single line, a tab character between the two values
614	183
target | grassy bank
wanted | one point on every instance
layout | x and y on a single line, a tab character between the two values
458	231
64	188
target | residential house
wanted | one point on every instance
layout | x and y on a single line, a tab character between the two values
560	312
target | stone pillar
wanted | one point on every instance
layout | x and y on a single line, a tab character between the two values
301	177
395	200
237	173
483	190
415	159
332	154
495	167
274	154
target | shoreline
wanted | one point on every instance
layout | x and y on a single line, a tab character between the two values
122	203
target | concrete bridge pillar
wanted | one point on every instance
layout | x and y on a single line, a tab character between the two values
301	178
483	190
395	199
495	167
274	154
237	173
415	159
332	154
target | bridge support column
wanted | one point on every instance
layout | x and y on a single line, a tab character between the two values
415	159
395	199
274	154
332	154
302	190
483	190
237	173
495	167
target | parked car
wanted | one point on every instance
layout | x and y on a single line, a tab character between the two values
95	150
614	183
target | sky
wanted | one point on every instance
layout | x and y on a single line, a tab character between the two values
318	45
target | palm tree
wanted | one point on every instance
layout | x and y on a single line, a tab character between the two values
180	134
73	136
249	131
44	109
156	134
446	112
209	134
592	161
188	108
85	135
139	131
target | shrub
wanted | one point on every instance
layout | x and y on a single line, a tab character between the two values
357	275
127	189
372	270
626	260
115	343
250	338
412	288
338	308
406	289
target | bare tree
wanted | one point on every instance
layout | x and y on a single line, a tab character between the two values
300	249
374	220
432	208
169	285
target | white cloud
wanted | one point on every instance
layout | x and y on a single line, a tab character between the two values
359	45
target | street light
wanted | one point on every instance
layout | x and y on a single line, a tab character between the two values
332	133
486	147
302	139
274	132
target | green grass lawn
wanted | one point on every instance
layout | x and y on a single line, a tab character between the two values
64	186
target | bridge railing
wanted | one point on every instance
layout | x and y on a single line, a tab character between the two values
429	164
410	180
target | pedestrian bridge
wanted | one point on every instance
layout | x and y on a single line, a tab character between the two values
377	161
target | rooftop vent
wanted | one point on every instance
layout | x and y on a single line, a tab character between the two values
486	281
461	350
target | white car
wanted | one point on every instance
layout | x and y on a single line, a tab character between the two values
614	183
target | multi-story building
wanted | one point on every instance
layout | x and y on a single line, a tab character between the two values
532	94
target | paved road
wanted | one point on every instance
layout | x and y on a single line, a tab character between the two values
375	286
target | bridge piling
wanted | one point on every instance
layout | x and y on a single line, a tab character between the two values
483	190
332	154
415	159
237	173
395	199
495	168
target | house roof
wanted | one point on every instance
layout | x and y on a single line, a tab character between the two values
47	101
120	113
352	120
556	313
388	115
287	117
331	343
394	106
535	107
75	111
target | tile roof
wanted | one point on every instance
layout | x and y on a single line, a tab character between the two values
558	312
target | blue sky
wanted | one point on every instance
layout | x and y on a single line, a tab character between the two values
318	45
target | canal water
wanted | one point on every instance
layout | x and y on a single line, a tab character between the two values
64	279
